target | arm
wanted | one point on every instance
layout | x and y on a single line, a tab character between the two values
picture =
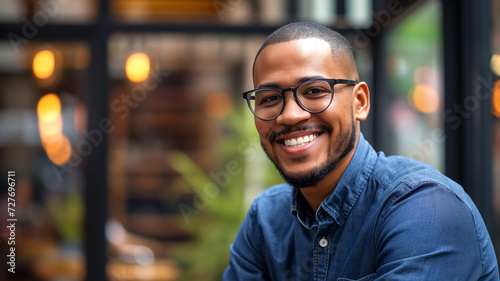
247	260
429	233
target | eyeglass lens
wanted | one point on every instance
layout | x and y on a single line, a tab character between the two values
315	96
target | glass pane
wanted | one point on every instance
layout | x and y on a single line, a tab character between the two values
415	72
495	108
183	155
42	119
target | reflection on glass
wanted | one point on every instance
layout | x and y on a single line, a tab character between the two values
495	108
37	134
183	155
414	66
495	64
495	99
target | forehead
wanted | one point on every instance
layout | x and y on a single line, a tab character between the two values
285	62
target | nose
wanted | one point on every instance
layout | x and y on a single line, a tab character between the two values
292	113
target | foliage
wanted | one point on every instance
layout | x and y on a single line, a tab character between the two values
214	222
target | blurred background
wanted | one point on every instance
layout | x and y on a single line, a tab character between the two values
136	158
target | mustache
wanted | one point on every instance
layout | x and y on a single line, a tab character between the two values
289	129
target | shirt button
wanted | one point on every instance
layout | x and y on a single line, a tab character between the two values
323	242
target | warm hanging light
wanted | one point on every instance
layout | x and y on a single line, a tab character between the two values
49	108
44	64
137	67
50	124
50	131
59	150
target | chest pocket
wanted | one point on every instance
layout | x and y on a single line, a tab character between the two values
366	278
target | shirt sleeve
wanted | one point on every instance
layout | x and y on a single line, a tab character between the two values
429	233
247	261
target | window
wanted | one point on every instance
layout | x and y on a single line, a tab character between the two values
414	87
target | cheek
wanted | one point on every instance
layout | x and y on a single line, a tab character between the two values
263	128
341	112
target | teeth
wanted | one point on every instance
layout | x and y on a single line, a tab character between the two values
300	140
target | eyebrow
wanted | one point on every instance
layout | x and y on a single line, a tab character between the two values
297	81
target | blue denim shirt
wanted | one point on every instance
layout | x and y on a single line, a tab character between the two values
389	218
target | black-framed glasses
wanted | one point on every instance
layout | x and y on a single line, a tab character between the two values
314	96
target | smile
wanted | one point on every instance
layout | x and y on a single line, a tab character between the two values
300	140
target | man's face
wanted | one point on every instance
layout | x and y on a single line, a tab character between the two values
329	136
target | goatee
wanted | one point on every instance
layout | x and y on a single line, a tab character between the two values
346	142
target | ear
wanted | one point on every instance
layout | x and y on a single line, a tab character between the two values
361	101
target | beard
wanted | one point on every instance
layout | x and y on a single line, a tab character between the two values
346	141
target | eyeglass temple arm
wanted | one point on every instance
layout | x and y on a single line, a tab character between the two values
345	81
245	94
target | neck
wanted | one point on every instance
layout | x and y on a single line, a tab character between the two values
316	194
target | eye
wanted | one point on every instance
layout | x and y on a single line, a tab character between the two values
268	98
272	98
315	92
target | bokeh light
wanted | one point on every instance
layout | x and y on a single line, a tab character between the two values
495	99
49	108
143	255
115	233
80	117
424	98
426	75
495	64
137	67
44	64
58	151
403	117
50	131
50	124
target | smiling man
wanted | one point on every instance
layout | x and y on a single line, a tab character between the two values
346	212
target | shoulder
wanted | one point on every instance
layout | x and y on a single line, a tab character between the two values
405	180
413	191
397	175
275	192
393	170
272	206
273	199
426	213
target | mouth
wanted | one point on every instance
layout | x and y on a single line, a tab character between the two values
299	141
299	138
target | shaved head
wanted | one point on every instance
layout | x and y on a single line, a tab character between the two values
340	47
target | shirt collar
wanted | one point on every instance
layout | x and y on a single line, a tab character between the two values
340	202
